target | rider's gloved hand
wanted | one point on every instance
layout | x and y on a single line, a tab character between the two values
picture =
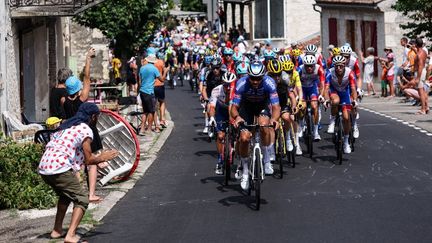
321	99
360	92
298	98
275	123
354	104
238	121
301	105
212	121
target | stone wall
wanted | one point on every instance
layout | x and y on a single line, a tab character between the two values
82	39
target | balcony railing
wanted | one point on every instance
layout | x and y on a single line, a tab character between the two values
32	8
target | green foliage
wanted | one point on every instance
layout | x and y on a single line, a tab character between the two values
193	5
21	187
420	12
131	23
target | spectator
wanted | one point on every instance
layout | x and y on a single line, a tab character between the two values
222	19
77	95
63	157
116	65
242	45
132	76
147	75
389	63
420	75
58	94
369	69
159	90
384	81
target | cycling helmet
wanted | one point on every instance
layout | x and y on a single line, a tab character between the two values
339	60
201	51
242	68
237	57
217	56
345	50
228	51
311	49
229	77
195	50
336	51
287	66
296	52
269	54
276	50
309	60
223	44
208	59
274	66
216	62
256	69
284	58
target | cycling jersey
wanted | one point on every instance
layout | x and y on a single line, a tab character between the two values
230	67
265	93
211	81
354	66
342	89
294	81
308	80
202	74
219	100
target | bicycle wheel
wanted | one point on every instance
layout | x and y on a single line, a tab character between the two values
227	159
257	180
309	135
351	134
280	151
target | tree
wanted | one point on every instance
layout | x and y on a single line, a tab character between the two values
193	5
420	12
131	23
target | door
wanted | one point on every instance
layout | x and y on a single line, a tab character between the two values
27	87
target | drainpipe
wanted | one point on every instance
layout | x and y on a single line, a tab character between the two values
321	25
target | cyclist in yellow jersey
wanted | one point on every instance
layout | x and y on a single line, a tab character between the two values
292	79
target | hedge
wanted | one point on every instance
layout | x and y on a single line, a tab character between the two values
21	187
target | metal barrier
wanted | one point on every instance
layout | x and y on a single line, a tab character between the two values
116	133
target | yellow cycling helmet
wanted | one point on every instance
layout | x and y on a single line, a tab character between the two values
336	51
296	52
274	66
287	66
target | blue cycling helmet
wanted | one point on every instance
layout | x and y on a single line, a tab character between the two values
237	56
256	69
228	51
269	54
242	68
208	59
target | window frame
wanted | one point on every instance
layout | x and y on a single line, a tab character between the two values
283	37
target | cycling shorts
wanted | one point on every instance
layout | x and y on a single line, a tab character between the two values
248	111
344	97
310	93
222	116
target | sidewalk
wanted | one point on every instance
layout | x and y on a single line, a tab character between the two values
396	109
35	225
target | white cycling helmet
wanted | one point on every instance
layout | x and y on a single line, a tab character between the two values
345	50
201	51
256	69
339	60
276	50
309	60
229	77
311	49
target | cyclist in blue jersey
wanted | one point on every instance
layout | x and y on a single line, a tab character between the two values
253	97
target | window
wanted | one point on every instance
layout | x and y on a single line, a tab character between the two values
269	19
333	34
350	33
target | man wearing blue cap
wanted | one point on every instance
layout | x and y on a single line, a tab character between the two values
147	75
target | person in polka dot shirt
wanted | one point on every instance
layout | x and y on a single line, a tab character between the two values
69	148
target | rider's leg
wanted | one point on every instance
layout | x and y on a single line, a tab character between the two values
314	106
243	148
334	100
286	117
347	128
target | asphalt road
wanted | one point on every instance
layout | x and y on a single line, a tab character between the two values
381	192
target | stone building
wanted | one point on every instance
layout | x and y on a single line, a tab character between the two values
362	23
32	48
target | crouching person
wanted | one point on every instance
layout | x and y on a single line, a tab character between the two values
64	154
